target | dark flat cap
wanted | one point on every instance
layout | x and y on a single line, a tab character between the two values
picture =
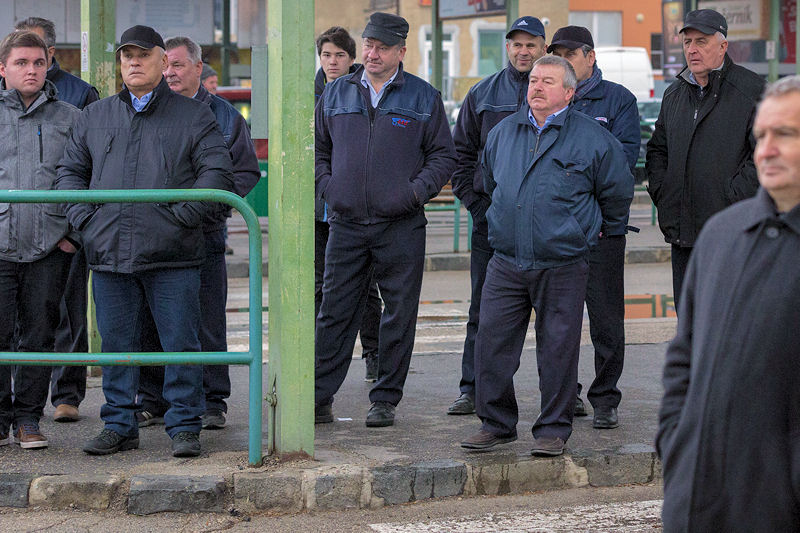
707	21
387	28
571	37
141	36
530	25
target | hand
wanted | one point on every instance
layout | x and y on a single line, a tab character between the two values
67	247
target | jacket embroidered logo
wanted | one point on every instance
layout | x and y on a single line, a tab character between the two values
400	122
602	119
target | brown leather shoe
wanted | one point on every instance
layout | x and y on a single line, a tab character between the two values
483	440
29	436
66	413
548	446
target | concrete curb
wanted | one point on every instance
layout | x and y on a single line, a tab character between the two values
328	487
239	268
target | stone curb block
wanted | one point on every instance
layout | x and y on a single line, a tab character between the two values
636	463
525	475
336	487
269	492
14	489
186	494
90	492
396	484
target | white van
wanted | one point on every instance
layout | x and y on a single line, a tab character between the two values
629	66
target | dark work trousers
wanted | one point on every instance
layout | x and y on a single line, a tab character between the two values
213	331
680	260
605	301
479	259
556	294
396	252
371	317
29	297
68	383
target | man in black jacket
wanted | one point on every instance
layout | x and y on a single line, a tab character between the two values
486	104
183	75
146	257
700	158
68	383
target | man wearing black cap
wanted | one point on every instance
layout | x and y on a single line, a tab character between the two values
146	256
613	107
383	149
700	158
487	103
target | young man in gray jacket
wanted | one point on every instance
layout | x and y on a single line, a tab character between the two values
35	252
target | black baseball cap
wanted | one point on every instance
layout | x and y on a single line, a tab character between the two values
571	37
387	28
530	25
141	36
707	21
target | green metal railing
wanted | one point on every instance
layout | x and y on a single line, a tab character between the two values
455	206
252	358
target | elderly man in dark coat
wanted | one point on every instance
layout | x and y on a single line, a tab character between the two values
729	430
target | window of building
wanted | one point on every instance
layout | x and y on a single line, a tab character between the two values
657	50
491	51
449	61
606	26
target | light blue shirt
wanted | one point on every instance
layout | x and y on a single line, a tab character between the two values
547	121
376	96
140	103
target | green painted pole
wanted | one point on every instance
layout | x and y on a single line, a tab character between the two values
225	51
774	36
290	383
436	46
512	12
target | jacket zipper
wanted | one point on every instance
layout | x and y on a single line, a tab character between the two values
41	148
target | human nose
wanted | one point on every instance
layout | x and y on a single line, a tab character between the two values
765	147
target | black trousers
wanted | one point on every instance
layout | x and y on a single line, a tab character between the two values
680	260
605	302
509	293
395	251
29	298
479	259
68	383
212	333
371	318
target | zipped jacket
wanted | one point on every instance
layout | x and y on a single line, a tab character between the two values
33	142
380	164
553	192
173	143
71	89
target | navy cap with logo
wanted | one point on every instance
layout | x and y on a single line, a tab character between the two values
530	25
142	37
387	28
706	21
571	37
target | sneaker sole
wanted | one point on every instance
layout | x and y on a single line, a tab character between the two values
382	423
214	425
488	446
31	445
66	419
459	412
604	425
157	421
127	445
186	453
547	453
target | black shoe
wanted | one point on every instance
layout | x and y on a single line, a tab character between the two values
323	414
605	418
464	405
213	419
381	414
483	440
580	408
147	418
186	444
371	375
108	442
548	446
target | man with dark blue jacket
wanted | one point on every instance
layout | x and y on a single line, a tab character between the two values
68	383
487	103
553	176
613	107
383	149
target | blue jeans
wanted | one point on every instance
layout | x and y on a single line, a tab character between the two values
172	296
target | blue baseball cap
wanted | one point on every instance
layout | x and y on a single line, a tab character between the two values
530	25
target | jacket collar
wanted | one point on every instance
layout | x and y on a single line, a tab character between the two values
203	95
515	75
161	91
764	209
355	76
54	71
521	117
11	97
719	73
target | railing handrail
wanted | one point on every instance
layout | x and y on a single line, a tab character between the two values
253	357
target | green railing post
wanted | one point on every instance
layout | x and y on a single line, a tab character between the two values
290	385
436	48
252	357
512	12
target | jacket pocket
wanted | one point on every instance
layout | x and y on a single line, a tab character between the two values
5	227
51	227
97	170
573	178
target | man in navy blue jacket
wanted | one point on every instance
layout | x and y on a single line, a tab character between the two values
383	149
613	107
487	103
552	173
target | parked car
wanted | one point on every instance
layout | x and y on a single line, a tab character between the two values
629	66
648	114
240	98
